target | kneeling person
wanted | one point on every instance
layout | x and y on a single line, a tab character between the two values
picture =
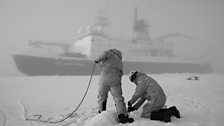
148	89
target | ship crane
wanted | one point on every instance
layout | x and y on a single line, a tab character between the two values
162	38
158	47
40	44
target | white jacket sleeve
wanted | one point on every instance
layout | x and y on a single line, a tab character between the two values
139	103
139	91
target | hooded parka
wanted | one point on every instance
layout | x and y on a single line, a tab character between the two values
110	80
147	89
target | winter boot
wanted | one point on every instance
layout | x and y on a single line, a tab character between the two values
156	115
174	111
167	115
161	115
125	119
104	106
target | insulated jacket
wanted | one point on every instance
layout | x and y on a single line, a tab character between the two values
146	89
112	65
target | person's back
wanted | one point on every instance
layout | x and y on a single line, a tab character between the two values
154	87
111	59
112	65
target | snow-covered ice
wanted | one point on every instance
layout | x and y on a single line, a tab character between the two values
200	101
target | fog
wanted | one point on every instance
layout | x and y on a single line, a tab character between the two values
59	20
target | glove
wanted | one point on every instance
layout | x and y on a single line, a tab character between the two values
129	104
130	109
96	61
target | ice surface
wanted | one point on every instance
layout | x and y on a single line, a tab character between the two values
199	101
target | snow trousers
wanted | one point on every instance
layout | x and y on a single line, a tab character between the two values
154	104
116	92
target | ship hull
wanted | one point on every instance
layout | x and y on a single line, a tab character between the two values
45	66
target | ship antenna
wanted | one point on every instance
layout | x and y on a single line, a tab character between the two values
135	19
136	14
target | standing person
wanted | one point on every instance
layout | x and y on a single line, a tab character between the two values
148	89
110	80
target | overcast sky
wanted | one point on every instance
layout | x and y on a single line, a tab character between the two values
59	20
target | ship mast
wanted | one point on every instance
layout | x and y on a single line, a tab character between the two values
140	29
